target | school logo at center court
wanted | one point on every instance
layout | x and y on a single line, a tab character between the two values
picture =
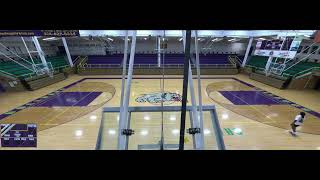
155	98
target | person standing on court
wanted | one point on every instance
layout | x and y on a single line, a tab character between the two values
298	121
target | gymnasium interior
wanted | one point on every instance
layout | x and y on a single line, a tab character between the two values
159	89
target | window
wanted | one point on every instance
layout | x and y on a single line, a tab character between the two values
313	50
306	49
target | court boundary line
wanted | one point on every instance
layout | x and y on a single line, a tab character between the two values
288	102
251	106
265	123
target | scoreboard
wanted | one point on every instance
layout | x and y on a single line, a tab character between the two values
18	135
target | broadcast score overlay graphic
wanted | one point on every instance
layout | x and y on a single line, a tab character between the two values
18	135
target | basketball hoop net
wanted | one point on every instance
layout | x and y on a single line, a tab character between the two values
40	69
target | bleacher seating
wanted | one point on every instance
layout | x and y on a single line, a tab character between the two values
214	59
301	66
56	62
305	67
152	59
14	69
258	61
111	59
21	72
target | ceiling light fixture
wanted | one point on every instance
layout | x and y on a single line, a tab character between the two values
48	39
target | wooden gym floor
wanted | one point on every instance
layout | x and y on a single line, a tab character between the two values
252	115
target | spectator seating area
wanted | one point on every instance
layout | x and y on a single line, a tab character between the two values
21	72
152	59
302	67
257	61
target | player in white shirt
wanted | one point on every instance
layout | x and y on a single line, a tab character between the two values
298	120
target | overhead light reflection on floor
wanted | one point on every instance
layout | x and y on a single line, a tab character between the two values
206	131
79	133
225	116
175	131
112	132
93	118
147	118
144	132
172	118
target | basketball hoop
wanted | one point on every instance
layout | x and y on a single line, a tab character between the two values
50	73
40	69
268	73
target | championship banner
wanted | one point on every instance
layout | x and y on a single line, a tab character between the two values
258	45
50	33
296	43
279	54
280	48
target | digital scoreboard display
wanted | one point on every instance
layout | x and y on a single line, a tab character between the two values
18	135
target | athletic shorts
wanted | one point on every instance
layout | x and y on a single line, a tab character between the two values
295	125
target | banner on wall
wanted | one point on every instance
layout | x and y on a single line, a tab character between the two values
50	33
279	54
275	44
258	45
281	48
296	43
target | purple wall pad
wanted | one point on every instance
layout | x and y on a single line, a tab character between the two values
1	88
248	98
70	99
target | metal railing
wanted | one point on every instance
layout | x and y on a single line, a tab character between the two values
83	61
302	72
75	60
231	60
9	75
302	59
257	68
238	59
31	75
101	66
297	75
